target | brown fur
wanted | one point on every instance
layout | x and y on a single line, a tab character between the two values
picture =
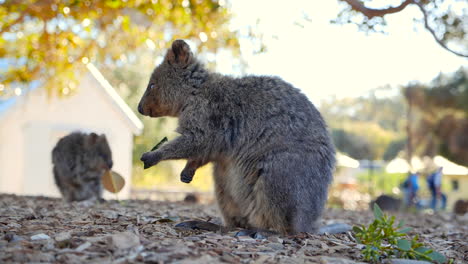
79	162
272	154
460	207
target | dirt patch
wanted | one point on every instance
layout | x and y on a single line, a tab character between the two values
39	229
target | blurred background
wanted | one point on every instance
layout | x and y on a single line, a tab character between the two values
390	78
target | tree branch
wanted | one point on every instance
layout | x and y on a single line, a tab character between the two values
36	7
431	30
371	12
18	20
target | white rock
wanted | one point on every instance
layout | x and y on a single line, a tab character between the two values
83	246
40	237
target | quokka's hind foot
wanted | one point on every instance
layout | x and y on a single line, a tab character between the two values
199	225
256	233
190	168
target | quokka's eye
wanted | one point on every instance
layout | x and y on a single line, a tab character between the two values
152	86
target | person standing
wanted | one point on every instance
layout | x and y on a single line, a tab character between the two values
411	187
434	181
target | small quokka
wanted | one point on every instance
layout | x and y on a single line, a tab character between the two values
272	154
460	207
386	203
79	161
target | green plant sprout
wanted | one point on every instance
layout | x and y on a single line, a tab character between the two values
383	239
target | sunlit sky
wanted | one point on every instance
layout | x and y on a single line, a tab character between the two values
324	59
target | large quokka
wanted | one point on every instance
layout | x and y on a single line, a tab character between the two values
79	162
272	153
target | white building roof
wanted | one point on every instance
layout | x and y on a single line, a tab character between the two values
399	165
131	118
449	167
134	123
344	161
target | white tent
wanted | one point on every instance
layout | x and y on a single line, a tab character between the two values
346	161
400	165
347	169
449	167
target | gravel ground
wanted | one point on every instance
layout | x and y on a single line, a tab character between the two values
41	229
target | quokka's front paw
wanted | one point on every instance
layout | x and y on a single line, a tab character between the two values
187	175
150	159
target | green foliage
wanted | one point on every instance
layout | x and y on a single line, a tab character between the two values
353	144
363	127
449	91
394	148
383	106
362	140
440	116
383	238
379	181
49	40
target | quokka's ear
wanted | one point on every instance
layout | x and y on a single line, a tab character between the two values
91	139
102	138
179	54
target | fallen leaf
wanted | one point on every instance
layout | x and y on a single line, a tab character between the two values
112	181
164	140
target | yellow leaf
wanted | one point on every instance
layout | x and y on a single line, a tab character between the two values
112	181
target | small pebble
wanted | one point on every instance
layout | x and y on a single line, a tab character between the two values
83	246
11	237
40	237
275	246
63	236
246	239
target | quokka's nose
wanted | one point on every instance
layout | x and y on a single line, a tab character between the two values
140	109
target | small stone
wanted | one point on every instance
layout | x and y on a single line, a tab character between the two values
275	246
192	238
109	214
228	258
83	246
125	240
11	237
63	236
246	239
40	237
14	225
275	239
